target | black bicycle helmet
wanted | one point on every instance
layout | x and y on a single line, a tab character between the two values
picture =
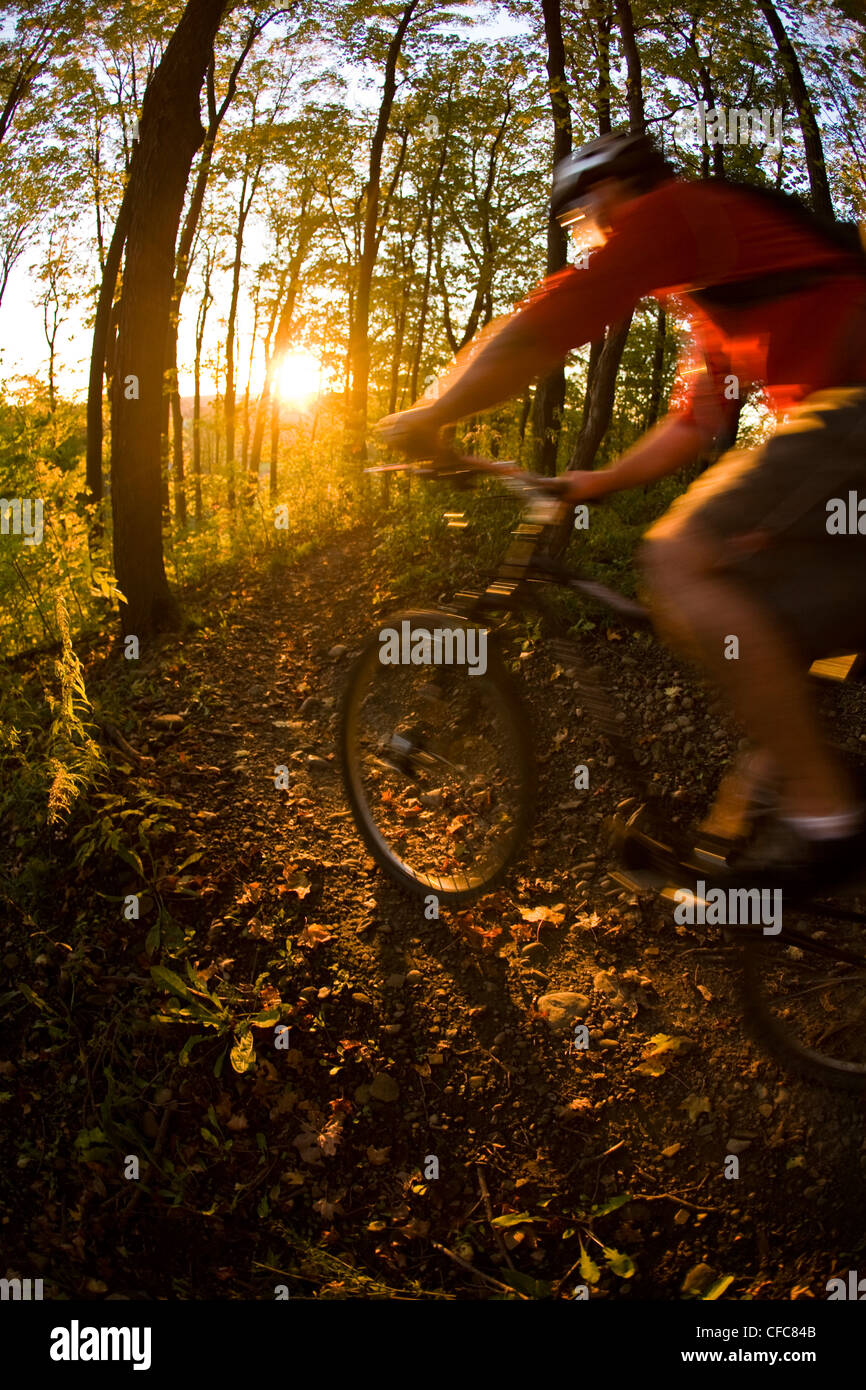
614	156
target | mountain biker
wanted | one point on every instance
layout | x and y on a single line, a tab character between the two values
775	298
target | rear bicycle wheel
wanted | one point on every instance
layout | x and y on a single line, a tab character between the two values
805	995
438	767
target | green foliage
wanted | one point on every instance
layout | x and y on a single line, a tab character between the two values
193	1005
74	758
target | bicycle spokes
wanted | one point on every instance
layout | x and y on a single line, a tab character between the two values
807	992
436	772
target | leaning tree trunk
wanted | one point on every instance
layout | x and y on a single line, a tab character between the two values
812	145
596	420
196	202
99	349
550	392
201	319
170	132
277	354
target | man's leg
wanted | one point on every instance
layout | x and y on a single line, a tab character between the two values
698	608
750	779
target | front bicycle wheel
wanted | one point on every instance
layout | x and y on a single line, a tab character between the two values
805	995
437	763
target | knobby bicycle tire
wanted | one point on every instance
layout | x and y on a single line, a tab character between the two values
516	715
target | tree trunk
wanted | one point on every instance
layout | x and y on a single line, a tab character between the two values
245	445
196	202
177	457
280	343
814	149
251	183
170	133
596	417
525	408
602	90
602	98
99	347
201	319
359	342
655	393
634	78
196	439
604	362
229	402
718	153
275	446
428	268
550	392
396	357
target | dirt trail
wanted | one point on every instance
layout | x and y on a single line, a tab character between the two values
412	1040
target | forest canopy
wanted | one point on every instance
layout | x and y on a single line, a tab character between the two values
243	233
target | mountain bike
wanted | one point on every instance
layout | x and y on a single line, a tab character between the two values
439	770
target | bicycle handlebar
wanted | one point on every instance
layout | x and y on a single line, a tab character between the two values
448	464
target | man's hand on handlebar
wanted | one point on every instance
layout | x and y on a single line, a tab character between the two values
417	434
579	486
414	432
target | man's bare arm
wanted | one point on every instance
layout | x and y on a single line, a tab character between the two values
499	364
503	360
671	444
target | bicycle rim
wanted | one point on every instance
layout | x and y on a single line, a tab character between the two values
806	998
438	768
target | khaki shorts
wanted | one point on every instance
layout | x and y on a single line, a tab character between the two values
813	581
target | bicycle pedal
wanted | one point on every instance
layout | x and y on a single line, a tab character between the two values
639	880
710	853
396	764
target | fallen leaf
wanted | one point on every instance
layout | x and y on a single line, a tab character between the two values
544	914
314	935
657	1067
695	1106
296	880
331	1135
663	1042
251	894
512	1218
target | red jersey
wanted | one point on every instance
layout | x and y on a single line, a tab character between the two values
771	301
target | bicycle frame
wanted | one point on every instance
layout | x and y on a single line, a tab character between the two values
526	570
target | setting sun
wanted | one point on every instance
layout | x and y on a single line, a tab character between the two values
299	379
